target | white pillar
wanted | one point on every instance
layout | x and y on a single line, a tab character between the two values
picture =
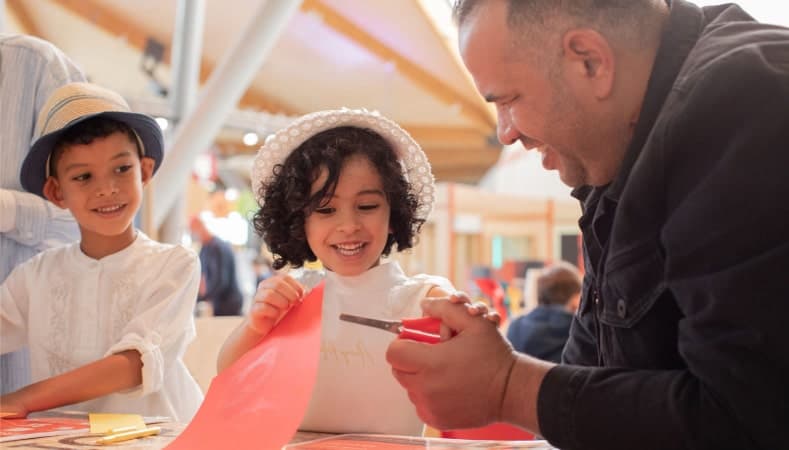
220	95
184	87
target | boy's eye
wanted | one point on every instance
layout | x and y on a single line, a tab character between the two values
124	168
81	177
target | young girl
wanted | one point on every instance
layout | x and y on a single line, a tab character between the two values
107	319
343	187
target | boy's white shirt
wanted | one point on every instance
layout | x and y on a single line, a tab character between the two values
355	390
70	310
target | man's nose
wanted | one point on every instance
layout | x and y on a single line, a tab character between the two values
506	132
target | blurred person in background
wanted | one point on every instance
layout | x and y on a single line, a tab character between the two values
544	330
219	284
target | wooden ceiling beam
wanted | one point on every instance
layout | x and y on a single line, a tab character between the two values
478	115
468	175
116	25
448	39
448	136
20	11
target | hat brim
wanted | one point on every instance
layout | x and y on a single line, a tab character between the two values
33	172
414	163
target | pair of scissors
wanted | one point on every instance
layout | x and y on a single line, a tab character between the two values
423	329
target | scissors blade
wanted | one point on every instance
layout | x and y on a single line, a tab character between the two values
387	325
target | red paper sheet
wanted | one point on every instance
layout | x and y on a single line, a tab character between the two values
259	401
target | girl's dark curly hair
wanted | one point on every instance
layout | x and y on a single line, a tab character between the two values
287	200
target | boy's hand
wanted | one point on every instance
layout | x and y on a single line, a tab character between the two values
273	299
12	407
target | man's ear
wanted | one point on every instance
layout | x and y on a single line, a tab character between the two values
53	193
591	60
146	169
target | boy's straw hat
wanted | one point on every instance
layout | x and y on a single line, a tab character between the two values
413	161
71	104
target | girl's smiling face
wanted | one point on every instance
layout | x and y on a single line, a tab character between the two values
348	231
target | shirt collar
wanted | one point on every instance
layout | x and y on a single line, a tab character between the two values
680	35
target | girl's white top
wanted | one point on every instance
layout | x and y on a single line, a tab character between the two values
355	390
70	310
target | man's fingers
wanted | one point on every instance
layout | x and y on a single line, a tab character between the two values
407	356
459	297
494	318
451	314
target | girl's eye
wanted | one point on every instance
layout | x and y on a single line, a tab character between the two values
325	210
369	207
82	177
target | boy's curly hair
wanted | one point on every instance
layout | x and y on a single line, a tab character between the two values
287	200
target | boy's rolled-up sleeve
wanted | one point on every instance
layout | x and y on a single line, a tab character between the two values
163	325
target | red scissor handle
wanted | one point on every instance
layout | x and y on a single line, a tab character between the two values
429	325
419	336
423	329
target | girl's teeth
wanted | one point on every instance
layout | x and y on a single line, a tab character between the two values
349	250
109	209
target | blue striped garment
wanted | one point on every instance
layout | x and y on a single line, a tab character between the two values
30	69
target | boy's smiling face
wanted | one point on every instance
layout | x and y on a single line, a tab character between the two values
101	184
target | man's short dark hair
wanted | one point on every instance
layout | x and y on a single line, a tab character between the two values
622	18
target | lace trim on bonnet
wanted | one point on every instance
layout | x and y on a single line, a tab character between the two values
278	146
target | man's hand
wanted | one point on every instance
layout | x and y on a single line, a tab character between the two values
461	382
476	308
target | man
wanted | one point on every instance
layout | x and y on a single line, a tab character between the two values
30	69
671	123
544	330
219	284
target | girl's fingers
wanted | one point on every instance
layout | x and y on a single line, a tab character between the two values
283	286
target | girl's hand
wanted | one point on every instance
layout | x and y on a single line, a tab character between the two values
12	406
273	299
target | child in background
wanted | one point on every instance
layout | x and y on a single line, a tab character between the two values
343	187
107	319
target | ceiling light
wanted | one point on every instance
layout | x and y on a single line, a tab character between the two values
251	138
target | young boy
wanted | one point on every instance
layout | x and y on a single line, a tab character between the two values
107	319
